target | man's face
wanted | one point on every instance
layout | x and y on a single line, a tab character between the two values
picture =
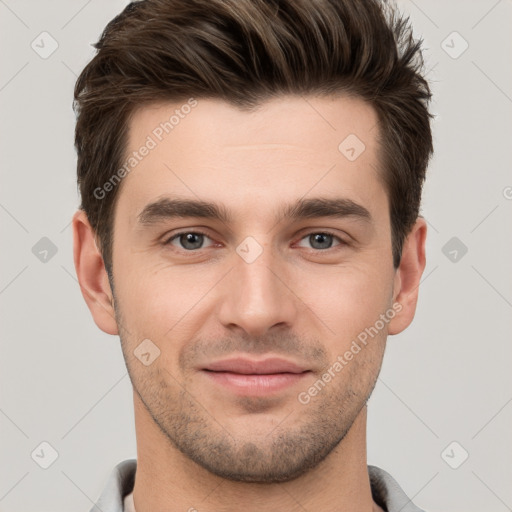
263	290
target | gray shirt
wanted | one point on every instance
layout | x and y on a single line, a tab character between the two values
385	490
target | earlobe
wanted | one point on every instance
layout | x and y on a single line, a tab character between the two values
408	276
91	273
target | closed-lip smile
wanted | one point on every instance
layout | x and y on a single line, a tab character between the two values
256	377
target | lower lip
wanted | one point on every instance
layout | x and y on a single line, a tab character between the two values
255	384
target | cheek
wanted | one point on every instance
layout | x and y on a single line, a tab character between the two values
347	300
161	302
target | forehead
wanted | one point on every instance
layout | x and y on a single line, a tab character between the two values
282	150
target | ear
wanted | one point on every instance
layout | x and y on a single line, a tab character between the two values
92	274
407	277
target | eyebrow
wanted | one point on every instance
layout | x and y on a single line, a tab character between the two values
169	208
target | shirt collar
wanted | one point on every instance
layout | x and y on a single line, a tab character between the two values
385	490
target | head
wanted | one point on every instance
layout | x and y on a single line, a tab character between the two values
250	174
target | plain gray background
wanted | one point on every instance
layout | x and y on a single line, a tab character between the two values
446	379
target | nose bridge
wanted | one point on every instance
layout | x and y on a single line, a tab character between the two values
256	297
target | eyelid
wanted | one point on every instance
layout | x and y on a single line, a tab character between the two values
324	232
170	238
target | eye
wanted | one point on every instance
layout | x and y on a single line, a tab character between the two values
321	240
188	240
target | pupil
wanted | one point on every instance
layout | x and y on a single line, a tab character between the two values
323	239
188	240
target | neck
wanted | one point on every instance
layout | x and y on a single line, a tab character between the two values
167	480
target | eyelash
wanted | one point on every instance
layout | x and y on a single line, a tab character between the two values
199	232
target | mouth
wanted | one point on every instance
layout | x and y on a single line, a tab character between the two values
244	376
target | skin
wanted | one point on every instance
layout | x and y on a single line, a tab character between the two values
202	446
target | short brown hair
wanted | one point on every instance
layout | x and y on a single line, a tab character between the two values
244	52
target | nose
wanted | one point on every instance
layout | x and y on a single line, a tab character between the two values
257	296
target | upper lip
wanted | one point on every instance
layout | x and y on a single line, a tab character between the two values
255	367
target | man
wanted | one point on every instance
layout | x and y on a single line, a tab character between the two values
251	175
